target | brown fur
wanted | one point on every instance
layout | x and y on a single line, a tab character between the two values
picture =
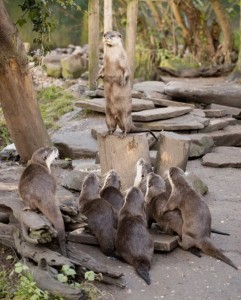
156	199
196	229
111	190
117	86
101	217
143	168
37	188
133	242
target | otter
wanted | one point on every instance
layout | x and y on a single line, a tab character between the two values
196	228
101	217
143	168
37	188
133	241
117	86
111	190
156	198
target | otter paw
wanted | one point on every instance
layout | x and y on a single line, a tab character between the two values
123	81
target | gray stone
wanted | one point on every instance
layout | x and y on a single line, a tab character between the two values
153	154
9	152
198	112
160	113
223	157
64	195
229	136
63	163
215	113
52	65
149	86
217	124
73	66
75	144
82	162
200	144
75	179
228	109
165	102
197	183
98	104
186	122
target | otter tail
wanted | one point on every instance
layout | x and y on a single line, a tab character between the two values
208	248
54	215
137	129
219	232
142	267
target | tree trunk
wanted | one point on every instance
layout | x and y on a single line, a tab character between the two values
132	12
198	40
107	15
93	24
226	28
17	94
236	74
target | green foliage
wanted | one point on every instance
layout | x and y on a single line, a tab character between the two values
4	134
4	285
54	102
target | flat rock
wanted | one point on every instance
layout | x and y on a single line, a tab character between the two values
149	86
215	113
98	104
218	124
186	122
197	183
162	242
75	144
228	109
165	102
223	157
160	113
200	144
75	178
229	136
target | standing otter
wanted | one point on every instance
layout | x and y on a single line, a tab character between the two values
117	86
133	242
196	229
111	190
101	217
143	168
156	198
37	188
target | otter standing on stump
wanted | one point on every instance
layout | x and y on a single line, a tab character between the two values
133	242
117	86
196	229
37	188
101	217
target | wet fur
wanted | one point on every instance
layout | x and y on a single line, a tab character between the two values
134	243
37	188
196	229
117	86
101	217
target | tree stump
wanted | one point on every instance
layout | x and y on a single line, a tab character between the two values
173	151
122	154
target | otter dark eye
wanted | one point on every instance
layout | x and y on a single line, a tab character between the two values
149	185
142	176
44	157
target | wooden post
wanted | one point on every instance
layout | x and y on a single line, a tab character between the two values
130	42
122	154
93	37
173	151
107	15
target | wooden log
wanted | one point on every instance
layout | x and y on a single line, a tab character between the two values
223	94
122	154
173	150
47	282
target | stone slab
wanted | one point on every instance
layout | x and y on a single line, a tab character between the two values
162	242
215	113
222	157
186	122
229	136
200	144
74	179
160	113
75	144
98	104
165	102
228	109
149	86
218	124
